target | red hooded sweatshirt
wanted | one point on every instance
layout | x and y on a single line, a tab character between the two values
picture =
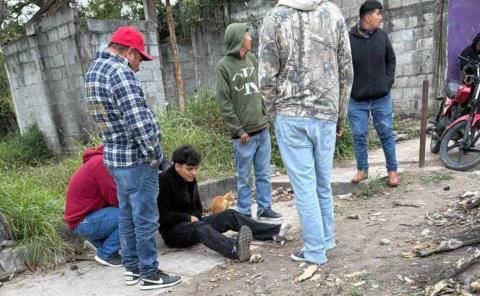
91	188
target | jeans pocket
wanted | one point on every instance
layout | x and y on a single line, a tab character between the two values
328	139
126	179
293	133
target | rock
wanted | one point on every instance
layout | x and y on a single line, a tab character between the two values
315	278
213	280
476	173
446	188
384	241
73	267
302	264
11	261
256	258
426	232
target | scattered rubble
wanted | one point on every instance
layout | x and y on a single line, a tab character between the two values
282	194
256	258
307	273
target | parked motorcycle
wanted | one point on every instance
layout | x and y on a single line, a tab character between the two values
458	147
453	105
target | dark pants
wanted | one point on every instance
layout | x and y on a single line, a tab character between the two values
209	231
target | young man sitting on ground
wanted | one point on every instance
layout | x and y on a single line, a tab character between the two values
181	221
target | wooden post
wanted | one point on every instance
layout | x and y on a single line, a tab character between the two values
423	126
176	59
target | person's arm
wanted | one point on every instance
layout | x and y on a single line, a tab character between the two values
391	61
222	87
269	62
139	118
198	208
345	71
165	196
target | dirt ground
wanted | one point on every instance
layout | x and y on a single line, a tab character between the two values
361	264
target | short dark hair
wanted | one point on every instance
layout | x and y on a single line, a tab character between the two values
370	6
186	154
118	47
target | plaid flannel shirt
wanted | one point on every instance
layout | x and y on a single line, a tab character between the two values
128	127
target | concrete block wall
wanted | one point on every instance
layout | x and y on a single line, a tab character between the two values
411	25
46	71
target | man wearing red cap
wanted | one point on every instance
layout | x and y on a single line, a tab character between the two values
132	152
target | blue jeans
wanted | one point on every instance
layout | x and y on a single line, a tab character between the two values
382	114
307	146
101	229
257	151
137	190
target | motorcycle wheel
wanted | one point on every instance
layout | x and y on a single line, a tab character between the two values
457	150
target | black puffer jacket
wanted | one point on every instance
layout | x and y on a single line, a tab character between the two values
374	64
471	52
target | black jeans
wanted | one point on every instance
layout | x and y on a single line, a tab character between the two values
208	231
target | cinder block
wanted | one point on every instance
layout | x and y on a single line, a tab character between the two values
58	61
52	35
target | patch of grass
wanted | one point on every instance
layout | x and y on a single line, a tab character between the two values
371	187
436	177
32	200
402	127
28	149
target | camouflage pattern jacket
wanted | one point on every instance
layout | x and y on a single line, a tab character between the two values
305	62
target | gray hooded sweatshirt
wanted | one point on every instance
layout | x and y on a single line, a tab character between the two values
305	62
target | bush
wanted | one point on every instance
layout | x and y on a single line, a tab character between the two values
28	149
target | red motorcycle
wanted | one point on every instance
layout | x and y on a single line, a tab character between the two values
458	147
454	105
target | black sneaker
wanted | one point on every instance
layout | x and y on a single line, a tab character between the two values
159	280
131	278
268	215
115	261
298	256
242	245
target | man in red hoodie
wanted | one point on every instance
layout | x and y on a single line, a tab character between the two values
91	208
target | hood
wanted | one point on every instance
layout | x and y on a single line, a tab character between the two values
234	35
355	30
302	4
91	152
476	40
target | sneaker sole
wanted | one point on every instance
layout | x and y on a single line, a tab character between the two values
133	279
159	286
244	240
297	259
103	262
269	219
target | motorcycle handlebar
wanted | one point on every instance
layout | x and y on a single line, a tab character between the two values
470	61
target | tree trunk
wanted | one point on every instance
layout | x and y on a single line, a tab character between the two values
176	59
3	13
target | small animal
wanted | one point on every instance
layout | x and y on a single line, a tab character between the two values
221	202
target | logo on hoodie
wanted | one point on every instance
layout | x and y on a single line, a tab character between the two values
248	87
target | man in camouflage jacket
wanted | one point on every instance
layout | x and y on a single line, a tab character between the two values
306	74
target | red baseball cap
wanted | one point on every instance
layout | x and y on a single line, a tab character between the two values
130	36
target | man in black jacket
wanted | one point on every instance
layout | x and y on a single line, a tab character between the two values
181	221
472	52
374	73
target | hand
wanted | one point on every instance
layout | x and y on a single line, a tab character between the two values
244	138
339	132
193	219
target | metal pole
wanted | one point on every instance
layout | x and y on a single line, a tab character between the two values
423	125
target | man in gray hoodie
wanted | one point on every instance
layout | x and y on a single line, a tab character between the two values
306	74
